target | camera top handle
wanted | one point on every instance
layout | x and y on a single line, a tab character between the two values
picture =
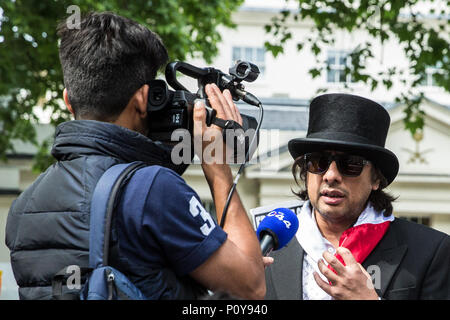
184	68
241	71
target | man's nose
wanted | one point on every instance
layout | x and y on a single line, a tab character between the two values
332	175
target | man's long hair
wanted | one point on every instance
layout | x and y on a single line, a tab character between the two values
380	200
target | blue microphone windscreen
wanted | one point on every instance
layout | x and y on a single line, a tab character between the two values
282	222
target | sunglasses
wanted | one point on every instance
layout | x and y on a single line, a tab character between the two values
348	165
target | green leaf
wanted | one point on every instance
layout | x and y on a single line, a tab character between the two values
274	49
315	72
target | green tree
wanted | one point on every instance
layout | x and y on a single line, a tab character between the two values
30	72
424	44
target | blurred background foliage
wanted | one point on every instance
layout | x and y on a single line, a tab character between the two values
30	71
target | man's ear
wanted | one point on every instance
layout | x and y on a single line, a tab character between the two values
67	102
375	177
376	185
140	98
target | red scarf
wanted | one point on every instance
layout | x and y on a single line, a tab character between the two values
362	239
364	236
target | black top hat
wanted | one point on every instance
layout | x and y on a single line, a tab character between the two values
348	123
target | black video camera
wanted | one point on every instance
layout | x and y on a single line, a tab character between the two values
171	110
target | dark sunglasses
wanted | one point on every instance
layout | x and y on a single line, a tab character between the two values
348	165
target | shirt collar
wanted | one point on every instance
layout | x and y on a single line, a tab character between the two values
78	138
89	137
370	215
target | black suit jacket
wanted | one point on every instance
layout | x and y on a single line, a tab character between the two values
413	262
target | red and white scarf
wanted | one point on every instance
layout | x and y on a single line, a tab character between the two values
360	239
365	234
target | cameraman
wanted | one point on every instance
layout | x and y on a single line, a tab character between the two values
163	239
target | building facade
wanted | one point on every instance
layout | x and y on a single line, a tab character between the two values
285	88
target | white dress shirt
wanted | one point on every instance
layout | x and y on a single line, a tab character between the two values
313	244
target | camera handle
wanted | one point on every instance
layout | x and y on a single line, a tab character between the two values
208	75
184	68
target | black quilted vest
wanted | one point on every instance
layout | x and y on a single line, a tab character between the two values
48	224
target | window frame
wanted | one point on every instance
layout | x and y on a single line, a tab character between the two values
338	68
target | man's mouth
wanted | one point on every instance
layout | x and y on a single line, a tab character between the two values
332	196
332	193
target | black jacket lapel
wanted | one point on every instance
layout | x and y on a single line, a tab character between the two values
286	273
384	260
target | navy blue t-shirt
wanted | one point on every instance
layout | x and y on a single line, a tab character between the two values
162	223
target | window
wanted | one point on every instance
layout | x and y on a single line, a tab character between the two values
432	72
337	61
429	80
254	55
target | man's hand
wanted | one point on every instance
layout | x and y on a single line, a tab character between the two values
208	140
212	150
351	282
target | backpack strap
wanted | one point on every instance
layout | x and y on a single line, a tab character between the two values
102	208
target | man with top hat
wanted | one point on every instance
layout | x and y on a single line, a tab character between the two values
349	245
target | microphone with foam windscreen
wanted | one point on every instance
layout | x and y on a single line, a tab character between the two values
277	229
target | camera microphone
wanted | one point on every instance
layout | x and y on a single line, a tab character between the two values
277	229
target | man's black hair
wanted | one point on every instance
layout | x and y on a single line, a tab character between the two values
105	61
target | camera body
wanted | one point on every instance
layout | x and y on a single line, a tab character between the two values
170	110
